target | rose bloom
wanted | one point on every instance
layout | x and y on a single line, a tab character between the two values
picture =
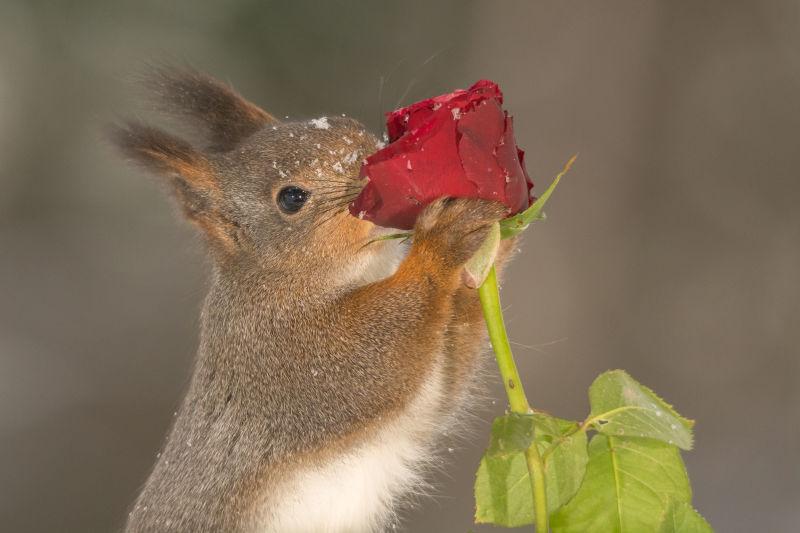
459	145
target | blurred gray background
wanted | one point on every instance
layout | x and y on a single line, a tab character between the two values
672	249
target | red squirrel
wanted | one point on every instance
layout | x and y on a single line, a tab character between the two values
329	363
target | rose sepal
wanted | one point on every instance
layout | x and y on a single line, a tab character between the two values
514	225
478	266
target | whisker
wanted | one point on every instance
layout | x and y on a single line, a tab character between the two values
337	195
326	186
330	189
345	180
380	96
383	81
329	180
414	81
342	182
339	191
405	93
326	197
437	54
332	197
331	217
336	182
331	186
333	204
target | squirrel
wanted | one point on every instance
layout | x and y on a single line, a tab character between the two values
329	362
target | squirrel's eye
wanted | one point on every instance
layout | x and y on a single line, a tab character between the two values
291	199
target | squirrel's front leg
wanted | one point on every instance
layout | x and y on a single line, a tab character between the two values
405	318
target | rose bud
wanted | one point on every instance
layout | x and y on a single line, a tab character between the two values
459	145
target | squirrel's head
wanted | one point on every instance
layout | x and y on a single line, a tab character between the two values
267	195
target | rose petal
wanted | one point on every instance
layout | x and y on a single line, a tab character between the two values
480	132
459	144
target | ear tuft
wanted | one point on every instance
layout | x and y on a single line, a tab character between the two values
228	117
163	153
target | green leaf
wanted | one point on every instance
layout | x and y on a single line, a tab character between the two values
563	450
682	518
511	433
628	487
390	236
518	223
623	407
503	493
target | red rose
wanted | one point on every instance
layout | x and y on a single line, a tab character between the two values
459	145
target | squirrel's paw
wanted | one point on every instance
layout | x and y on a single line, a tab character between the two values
454	229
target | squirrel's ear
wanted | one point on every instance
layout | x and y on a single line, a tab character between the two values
190	173
163	153
227	116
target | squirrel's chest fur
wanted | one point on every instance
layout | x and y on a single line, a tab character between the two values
357	490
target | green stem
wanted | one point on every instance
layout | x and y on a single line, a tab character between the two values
490	302
492	313
536	473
